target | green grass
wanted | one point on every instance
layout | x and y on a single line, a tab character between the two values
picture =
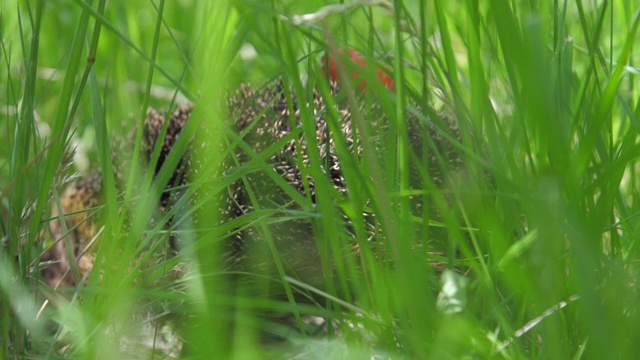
538	232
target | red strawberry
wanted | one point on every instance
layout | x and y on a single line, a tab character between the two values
359	64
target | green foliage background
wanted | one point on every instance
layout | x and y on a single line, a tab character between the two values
543	227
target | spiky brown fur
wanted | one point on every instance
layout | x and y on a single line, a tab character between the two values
263	117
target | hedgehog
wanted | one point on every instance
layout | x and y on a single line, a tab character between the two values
262	117
76	202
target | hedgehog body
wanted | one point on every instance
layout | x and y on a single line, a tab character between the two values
262	118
